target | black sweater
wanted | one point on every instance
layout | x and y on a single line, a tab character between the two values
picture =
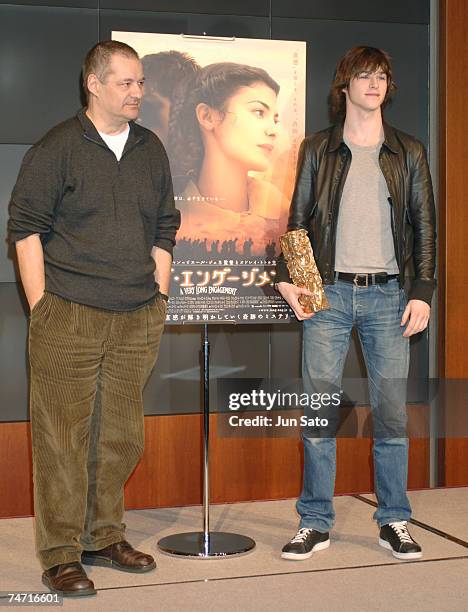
98	218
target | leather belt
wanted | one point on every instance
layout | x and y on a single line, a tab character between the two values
364	280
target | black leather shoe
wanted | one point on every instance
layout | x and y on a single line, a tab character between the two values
121	556
68	580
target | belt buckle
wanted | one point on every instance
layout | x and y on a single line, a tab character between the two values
356	280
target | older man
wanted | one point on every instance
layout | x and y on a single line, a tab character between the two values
93	218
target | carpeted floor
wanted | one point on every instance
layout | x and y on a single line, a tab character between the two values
355	573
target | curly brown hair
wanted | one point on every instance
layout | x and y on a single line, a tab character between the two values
164	71
214	85
355	61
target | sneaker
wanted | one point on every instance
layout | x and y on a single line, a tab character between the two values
396	537
304	544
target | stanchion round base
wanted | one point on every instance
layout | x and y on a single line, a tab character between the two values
217	545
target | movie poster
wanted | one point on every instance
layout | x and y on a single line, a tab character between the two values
231	115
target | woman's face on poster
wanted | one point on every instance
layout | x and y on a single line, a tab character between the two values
246	130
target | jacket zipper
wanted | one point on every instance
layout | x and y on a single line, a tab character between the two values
394	232
336	209
396	245
104	146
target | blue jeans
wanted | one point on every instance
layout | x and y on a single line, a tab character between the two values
376	312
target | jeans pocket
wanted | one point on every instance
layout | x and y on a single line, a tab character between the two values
391	288
403	299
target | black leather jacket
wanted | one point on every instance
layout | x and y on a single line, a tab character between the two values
323	165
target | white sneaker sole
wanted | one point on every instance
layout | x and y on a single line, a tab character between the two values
401	556
298	557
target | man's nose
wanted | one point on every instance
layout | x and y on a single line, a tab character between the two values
136	90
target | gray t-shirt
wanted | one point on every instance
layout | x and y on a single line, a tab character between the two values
364	241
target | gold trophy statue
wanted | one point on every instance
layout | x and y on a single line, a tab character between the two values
303	271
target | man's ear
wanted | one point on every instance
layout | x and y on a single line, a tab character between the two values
93	84
207	116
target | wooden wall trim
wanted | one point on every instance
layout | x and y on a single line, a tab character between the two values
242	469
453	223
16	485
453	188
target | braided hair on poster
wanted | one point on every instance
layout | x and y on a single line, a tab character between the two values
212	85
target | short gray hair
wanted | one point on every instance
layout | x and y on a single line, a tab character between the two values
98	58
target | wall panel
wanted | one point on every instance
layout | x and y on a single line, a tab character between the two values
416	11
16	473
453	226
55	3
170	472
227	7
13	351
41	51
182	23
10	162
174	386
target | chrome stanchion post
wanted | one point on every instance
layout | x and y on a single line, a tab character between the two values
206	434
206	544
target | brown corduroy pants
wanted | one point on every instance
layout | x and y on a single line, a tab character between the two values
88	370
